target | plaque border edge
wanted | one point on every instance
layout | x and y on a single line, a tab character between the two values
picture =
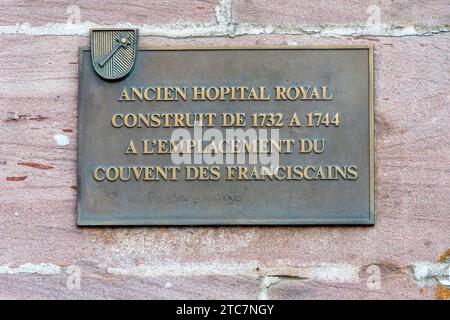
370	221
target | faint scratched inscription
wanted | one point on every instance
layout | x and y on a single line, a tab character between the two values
177	198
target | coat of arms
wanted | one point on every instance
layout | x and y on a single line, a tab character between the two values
113	52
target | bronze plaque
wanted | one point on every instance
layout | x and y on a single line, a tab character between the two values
224	136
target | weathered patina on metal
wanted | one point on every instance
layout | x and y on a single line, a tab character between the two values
347	71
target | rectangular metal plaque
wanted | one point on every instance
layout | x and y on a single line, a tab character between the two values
306	115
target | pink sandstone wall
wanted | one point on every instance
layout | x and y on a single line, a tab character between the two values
44	255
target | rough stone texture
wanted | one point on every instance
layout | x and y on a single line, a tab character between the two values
401	12
105	286
399	287
37	13
38	115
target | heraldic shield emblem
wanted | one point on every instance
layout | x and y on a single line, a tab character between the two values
113	52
